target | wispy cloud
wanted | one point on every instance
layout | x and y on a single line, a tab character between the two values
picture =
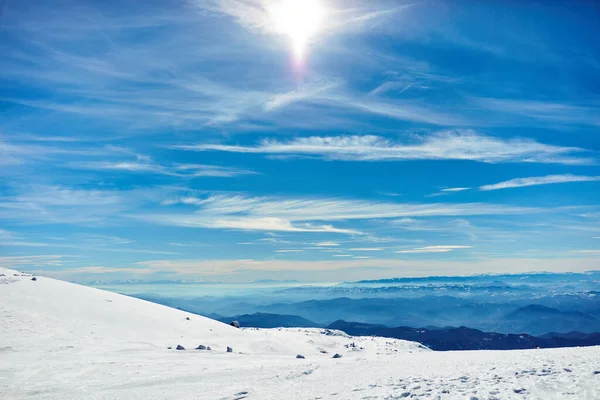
434	249
40	204
452	190
541	180
176	170
327	244
19	152
544	111
445	192
200	268
597	251
32	261
239	212
459	145
366	249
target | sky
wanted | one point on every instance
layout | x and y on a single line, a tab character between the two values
317	140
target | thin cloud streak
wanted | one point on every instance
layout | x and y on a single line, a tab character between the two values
541	180
433	249
449	145
176	170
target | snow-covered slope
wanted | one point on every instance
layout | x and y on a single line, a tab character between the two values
64	341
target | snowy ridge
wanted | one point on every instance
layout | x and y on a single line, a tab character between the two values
64	341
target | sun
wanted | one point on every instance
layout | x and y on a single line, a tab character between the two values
300	20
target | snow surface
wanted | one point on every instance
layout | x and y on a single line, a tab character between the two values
59	340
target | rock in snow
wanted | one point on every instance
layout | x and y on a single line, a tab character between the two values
229	349
61	341
300	356
201	347
179	347
336	355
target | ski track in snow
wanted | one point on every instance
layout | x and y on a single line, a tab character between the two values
64	341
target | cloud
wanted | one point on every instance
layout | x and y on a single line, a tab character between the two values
434	249
41	204
445	192
16	153
389	267
289	251
327	244
449	145
452	190
550	112
32	261
366	249
176	170
541	180
243	223
280	214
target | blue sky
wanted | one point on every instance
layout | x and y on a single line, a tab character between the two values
193	140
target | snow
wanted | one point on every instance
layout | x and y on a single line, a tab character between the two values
64	341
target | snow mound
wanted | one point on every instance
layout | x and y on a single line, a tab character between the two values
64	341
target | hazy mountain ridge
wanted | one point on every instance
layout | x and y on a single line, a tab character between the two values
464	338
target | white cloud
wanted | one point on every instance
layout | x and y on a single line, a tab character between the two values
177	170
449	145
545	111
452	190
327	244
541	180
589	251
366	249
434	249
231	211
389	267
289	251
32	261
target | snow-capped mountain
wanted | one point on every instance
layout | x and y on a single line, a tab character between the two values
59	340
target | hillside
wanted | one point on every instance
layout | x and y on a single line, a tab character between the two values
64	341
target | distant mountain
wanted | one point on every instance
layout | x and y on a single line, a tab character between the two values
466	338
264	320
539	319
538	276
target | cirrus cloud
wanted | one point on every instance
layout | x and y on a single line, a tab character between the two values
447	145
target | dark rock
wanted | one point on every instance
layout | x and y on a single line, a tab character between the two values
179	347
235	324
229	349
596	372
208	348
300	356
323	351
34	279
188	318
336	355
201	347
169	348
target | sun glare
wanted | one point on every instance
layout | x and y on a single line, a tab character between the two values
300	20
